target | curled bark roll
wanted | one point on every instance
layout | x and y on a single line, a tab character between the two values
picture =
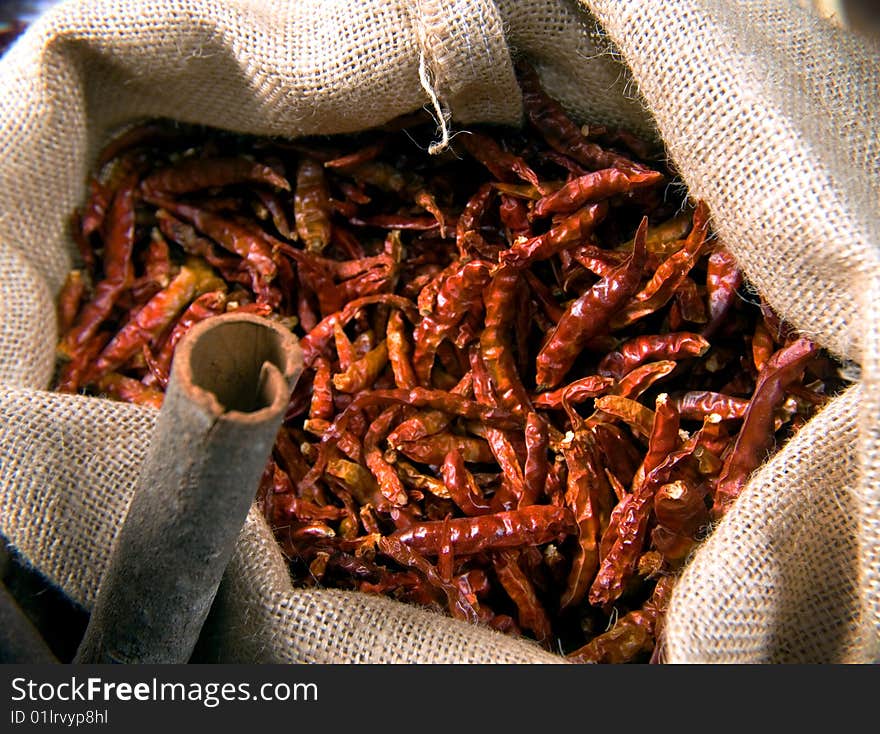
230	384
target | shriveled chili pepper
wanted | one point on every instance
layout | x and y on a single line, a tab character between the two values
641	378
400	352
495	344
231	235
669	276
311	205
503	165
206	305
73	374
426	200
592	187
512	489
130	390
689	303
194	174
723	279
389	482
514	215
321	406
455	296
572	230
762	346
362	155
69	299
624	540
634	414
229	266
564	135
682	514
95	210
461	486
272	201
651	347
536	465
362	372
697	404
588	316
581	497
467	230
664	438
756	435
531	614
119	243
633	635
155	317
459	605
591	386
318	338
433	449
532	525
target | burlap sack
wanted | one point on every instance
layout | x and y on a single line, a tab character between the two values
769	113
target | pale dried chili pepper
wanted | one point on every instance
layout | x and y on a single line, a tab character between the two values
311	206
194	174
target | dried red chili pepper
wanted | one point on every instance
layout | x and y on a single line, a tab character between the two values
194	174
459	605
458	292
633	635
592	187
723	280
362	372
461	486
130	390
119	243
233	236
503	165
561	132
531	615
532	525
641	349
206	305
157	315
573	230
756	435
467	230
69	299
669	276
588	316
697	404
495	345
389	482
682	515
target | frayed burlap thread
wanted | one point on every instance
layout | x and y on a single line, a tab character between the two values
768	113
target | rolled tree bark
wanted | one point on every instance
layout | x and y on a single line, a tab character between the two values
230	385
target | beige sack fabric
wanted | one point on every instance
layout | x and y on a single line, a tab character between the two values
769	113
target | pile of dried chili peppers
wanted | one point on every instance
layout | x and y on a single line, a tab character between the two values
533	379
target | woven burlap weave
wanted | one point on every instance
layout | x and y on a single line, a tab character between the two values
769	113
